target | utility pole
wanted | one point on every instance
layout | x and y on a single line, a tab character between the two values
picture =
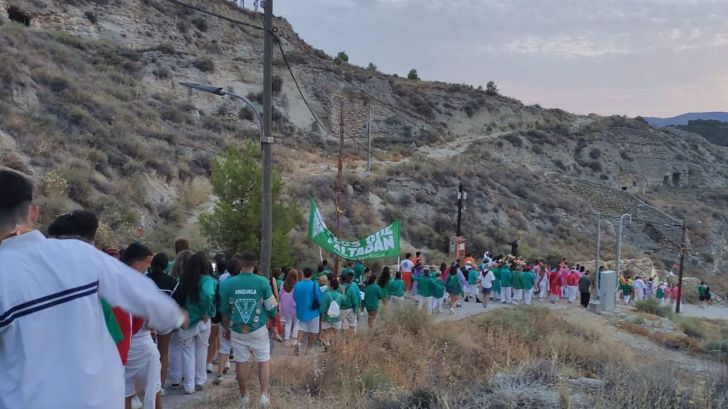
339	181
369	140
461	196
266	239
619	240
599	248
683	249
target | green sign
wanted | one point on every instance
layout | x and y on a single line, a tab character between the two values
382	244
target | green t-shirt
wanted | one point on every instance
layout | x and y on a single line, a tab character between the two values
372	295
329	296
247	299
626	288
453	285
506	277
528	280
438	289
701	290
497	273
473	276
358	271
424	286
396	288
517	280
111	324
352	297
205	304
279	285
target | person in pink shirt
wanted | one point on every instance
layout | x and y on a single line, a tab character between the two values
572	282
564	275
675	293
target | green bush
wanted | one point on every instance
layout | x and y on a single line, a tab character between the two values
204	64
652	306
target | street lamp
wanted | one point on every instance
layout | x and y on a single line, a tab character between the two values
462	195
619	239
211	89
266	239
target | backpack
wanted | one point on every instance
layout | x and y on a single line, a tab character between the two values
334	311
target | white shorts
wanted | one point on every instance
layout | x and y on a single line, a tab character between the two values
143	368
225	345
330	325
311	326
348	319
255	343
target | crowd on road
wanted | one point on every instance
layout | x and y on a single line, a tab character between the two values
129	324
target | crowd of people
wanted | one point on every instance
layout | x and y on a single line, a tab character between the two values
176	319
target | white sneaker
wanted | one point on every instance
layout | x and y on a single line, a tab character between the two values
162	392
209	368
264	401
136	403
227	365
244	401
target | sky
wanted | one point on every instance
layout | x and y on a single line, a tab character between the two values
627	57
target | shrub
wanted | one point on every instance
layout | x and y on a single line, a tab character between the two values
204	64
412	75
652	306
277	84
595	153
371	67
199	22
90	16
514	140
341	58
491	88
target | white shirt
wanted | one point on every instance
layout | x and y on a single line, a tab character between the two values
486	281
639	284
406	266
55	349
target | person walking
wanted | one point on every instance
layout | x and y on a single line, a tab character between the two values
288	309
454	289
528	281
59	283
396	289
196	293
232	269
506	278
517	283
331	312
486	283
438	292
307	296
572	284
639	288
372	297
351	303
585	289
405	267
246	305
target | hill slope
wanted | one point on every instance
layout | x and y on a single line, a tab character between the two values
89	98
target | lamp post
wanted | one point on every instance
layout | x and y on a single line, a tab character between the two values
266	222
462	195
211	89
619	240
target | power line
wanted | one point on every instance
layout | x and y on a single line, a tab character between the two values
398	112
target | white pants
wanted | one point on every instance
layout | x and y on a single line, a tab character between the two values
518	294
174	368
427	301
436	304
506	295
543	289
572	290
527	296
396	300
193	343
144	368
626	299
639	294
290	327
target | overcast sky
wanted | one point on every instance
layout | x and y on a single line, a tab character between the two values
634	57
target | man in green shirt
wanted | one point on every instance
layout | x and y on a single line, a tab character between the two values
330	309
472	289
372	297
425	288
350	304
246	304
396	289
529	282
506	284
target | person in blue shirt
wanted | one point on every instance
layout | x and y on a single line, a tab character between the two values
307	296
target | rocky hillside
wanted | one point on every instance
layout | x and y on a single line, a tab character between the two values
90	106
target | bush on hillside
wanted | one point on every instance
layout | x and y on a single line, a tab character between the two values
652	306
204	64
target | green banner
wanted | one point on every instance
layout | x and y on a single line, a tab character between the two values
382	244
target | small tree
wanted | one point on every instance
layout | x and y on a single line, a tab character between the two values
234	224
491	88
371	67
341	57
412	75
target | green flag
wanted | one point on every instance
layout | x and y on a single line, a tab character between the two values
382	244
